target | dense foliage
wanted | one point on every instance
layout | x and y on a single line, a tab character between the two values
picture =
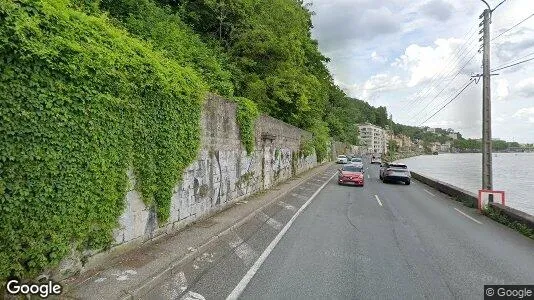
246	115
81	102
92	87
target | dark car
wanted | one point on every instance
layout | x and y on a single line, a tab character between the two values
351	174
395	172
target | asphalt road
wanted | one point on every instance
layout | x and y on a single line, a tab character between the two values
388	241
415	245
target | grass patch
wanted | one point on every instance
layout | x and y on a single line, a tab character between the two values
496	215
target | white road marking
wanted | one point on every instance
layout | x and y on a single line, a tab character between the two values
378	200
468	216
270	221
193	296
252	271
428	192
242	250
287	206
368	176
181	282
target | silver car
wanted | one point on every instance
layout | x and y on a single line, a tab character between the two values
393	172
342	159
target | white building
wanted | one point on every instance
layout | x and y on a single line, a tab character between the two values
453	135
373	138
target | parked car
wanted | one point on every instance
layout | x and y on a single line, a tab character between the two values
357	161
351	174
394	172
376	160
342	159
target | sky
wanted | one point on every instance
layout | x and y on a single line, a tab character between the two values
414	56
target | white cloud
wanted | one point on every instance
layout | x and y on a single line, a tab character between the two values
502	89
526	113
525	87
424	62
378	58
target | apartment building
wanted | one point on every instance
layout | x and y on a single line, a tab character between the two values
373	138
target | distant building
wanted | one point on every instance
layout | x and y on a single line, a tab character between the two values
373	138
453	135
446	147
433	130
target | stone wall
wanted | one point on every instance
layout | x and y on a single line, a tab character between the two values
223	172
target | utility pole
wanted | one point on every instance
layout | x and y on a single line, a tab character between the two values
487	172
487	166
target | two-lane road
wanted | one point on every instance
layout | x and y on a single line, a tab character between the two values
390	241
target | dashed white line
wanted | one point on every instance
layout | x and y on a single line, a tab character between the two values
287	206
252	271
428	192
270	221
378	200
368	176
468	216
242	250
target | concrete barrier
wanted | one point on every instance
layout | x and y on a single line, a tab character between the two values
514	214
471	200
468	198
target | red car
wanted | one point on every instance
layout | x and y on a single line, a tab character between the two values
351	174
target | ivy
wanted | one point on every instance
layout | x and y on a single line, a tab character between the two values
306	148
246	115
81	103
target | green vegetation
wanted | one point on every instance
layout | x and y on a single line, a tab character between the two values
503	219
246	115
91	88
81	102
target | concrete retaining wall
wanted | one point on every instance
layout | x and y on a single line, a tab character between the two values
462	195
471	199
223	172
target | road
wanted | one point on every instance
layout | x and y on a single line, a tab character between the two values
387	241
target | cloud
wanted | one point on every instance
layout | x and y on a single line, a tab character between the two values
502	89
525	87
437	9
378	58
423	63
373	86
526	113
340	24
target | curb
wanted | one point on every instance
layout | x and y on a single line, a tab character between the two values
161	275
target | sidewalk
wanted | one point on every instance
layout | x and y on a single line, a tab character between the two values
138	270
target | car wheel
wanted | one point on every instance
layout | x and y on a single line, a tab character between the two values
407	182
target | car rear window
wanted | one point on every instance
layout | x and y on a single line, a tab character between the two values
357	159
398	166
352	169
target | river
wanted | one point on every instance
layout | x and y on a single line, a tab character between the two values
512	172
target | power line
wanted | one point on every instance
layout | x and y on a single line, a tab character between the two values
505	67
435	97
463	89
512	27
458	60
516	59
445	73
428	86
